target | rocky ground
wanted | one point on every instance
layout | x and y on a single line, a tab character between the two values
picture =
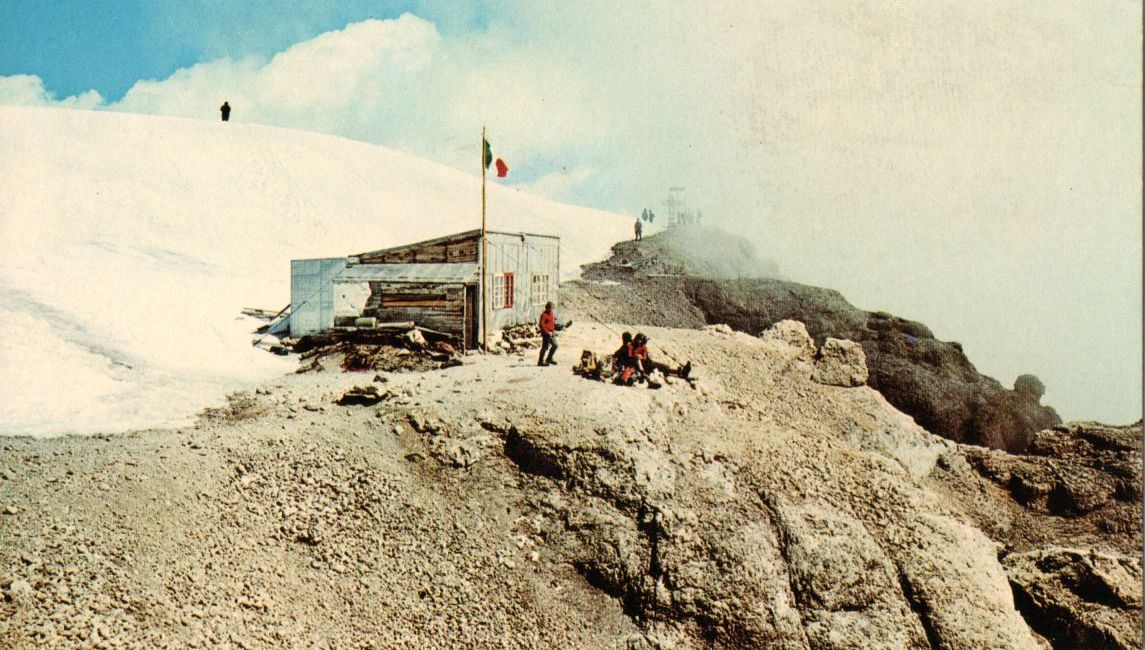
501	504
692	276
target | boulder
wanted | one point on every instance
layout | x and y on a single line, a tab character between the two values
1030	386
1079	598
361	396
791	336
840	363
20	591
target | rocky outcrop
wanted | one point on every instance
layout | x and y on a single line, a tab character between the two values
683	250
1079	598
930	380
661	281
679	542
1081	482
1067	515
1030	386
840	363
727	532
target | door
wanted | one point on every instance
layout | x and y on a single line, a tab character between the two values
472	316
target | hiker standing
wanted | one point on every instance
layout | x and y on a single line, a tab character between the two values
548	326
639	230
225	109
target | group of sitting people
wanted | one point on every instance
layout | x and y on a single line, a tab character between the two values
630	361
630	364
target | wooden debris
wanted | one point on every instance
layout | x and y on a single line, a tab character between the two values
264	314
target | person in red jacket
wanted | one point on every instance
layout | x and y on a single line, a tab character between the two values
548	326
638	351
623	365
640	366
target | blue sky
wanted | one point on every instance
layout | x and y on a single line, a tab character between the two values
108	45
973	165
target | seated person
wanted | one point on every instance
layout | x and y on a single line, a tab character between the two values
621	353
623	362
639	353
638	350
647	366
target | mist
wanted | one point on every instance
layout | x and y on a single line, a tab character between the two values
973	166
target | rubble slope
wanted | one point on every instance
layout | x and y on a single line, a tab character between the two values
499	503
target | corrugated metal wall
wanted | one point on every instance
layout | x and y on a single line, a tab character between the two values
312	294
524	256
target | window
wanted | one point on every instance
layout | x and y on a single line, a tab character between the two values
503	291
539	293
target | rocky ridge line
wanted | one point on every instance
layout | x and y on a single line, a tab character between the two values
658	282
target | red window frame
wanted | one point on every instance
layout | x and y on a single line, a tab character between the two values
507	303
504	284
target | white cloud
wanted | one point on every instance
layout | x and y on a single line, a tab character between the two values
28	90
561	185
394	82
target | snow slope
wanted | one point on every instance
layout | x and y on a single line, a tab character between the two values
129	243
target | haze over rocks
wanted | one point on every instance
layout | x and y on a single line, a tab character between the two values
930	380
683	250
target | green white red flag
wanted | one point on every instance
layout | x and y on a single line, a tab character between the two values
502	168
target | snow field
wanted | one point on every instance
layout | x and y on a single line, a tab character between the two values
129	244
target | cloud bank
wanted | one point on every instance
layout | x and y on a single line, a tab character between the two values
29	90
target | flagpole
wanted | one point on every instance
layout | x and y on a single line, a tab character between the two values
484	333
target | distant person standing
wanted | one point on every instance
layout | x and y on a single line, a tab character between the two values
639	231
225	109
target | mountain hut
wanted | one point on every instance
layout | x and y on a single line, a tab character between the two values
434	283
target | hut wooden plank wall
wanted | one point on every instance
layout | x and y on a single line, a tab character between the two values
431	295
460	248
434	283
437	306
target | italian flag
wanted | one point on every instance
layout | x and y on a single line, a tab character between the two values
502	168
